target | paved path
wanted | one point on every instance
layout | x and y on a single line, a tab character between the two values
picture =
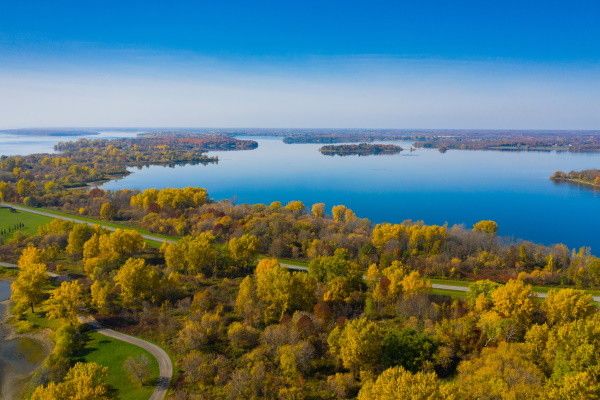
80	221
15	266
165	240
433	285
165	367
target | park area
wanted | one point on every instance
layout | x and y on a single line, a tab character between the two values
12	221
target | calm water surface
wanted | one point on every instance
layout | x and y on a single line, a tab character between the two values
13	144
18	357
457	187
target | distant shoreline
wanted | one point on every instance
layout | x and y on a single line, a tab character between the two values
578	182
50	132
588	178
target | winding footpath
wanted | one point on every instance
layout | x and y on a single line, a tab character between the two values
160	239
165	366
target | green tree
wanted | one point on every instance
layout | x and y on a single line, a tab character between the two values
407	348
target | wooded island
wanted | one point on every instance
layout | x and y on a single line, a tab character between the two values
362	149
588	177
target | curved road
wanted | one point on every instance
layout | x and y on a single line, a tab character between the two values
443	286
165	366
80	221
165	240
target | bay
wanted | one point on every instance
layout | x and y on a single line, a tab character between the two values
456	187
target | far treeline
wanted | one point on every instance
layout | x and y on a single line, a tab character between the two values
443	140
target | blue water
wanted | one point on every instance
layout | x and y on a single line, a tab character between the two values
15	144
457	187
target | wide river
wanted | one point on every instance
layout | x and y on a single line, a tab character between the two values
456	187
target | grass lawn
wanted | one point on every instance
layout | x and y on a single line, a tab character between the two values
291	261
9	219
111	224
111	353
455	282
7	273
455	294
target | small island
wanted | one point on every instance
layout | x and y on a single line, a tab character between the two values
587	177
362	149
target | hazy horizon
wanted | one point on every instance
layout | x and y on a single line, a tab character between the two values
465	66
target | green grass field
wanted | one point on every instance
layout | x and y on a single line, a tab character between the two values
103	350
111	224
111	353
9	219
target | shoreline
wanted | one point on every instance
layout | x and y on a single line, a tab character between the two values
577	182
12	383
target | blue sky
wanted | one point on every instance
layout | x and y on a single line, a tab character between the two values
456	64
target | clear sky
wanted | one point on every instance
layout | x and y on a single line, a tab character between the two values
429	64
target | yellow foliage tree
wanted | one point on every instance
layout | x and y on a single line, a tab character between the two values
101	296
414	284
192	254
486	226
107	211
398	384
83	381
273	287
514	300
136	281
566	305
357	345
503	373
65	301
318	210
243	249
27	290
295	206
246	301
